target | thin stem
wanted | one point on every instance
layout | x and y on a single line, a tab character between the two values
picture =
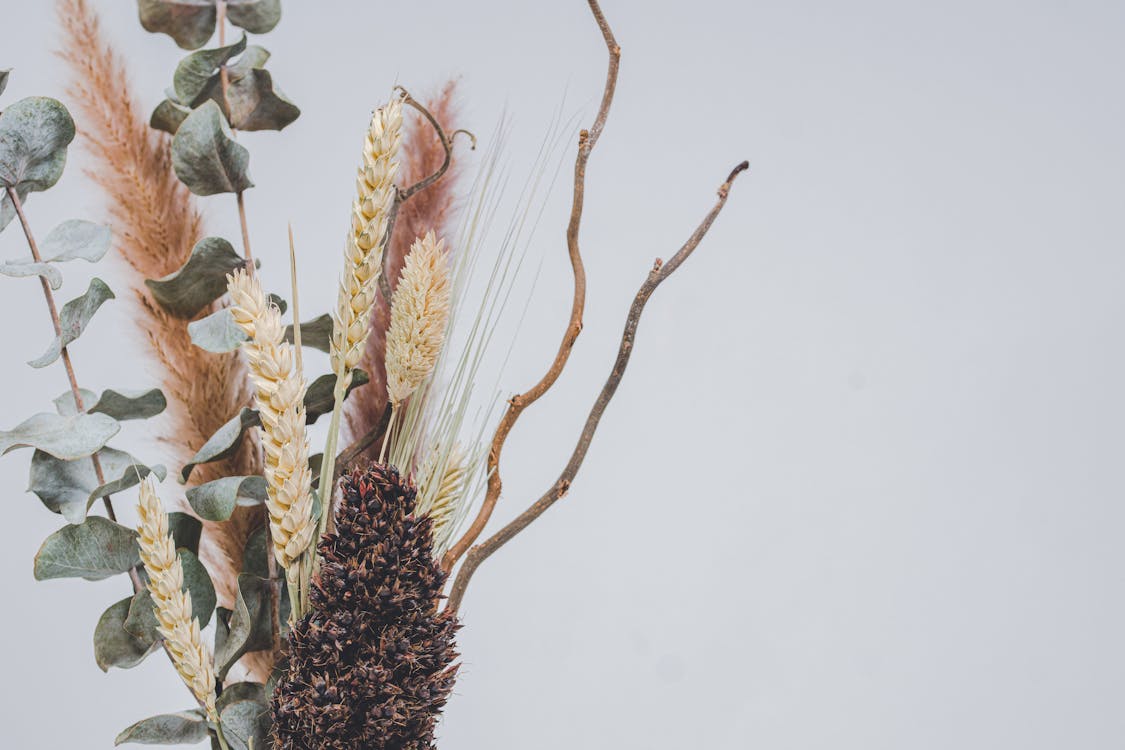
660	271
219	735
245	230
587	139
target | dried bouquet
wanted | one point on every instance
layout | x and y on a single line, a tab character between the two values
306	599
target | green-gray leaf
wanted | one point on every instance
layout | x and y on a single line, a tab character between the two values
76	240
256	16
4	79
224	442
168	116
73	319
250	626
34	134
216	500
141	622
183	728
315	333
65	486
96	549
200	281
121	405
319	400
242	691
195	71
130	477
113	645
189	22
67	438
28	267
217	333
257	104
245	725
205	156
185	530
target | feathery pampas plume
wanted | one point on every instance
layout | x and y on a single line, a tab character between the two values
156	224
171	603
363	254
419	312
371	665
421	155
280	399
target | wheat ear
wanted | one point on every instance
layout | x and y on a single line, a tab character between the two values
441	491
280	394
363	260
171	603
419	314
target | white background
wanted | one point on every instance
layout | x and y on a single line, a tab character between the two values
862	485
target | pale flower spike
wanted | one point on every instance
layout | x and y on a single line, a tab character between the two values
171	603
419	314
280	395
363	252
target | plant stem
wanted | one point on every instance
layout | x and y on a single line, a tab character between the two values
245	230
219	735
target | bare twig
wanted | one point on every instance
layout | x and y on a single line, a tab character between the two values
401	196
660	271
587	139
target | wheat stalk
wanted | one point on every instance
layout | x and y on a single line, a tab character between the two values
280	399
419	313
441	491
171	603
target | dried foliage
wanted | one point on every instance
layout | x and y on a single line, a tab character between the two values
433	209
371	665
157	224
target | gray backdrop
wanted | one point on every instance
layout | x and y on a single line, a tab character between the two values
862	485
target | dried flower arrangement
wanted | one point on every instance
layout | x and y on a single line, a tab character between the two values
329	584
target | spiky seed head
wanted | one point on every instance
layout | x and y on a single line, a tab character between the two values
419	314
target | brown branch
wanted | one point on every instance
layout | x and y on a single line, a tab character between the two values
660	271
401	196
587	139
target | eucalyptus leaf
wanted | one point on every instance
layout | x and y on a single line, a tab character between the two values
34	134
141	622
76	239
216	500
29	267
66	486
189	22
183	728
256	16
242	691
130	477
250	626
253	57
217	333
65	405
195	70
121	405
73	318
246	725
96	549
255	103
200	281
315	333
319	400
186	531
255	558
114	646
67	438
168	116
4	79
224	442
205	156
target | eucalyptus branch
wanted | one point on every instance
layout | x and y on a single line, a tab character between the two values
224	88
660	271
587	139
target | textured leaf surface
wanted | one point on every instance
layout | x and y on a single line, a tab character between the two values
256	16
4	79
257	104
65	486
28	267
315	333
217	333
216	500
113	645
196	70
130	476
246	725
205	156
67	438
168	116
189	22
250	626
73	318
76	240
121	405
34	134
186	530
96	549
183	728
200	281
141	622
